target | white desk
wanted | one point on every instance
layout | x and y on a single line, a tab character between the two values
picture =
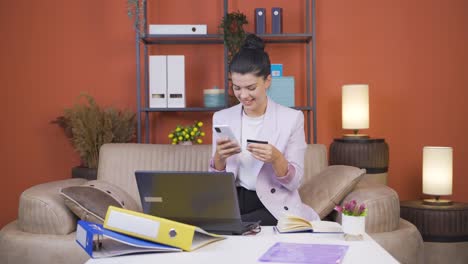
248	249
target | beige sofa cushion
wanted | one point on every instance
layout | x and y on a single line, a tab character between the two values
326	189
90	201
42	211
383	206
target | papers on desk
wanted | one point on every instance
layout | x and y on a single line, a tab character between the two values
305	253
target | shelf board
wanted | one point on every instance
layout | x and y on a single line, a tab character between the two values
287	37
208	109
304	108
218	38
183	39
185	109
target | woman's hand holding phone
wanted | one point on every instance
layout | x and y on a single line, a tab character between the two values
226	145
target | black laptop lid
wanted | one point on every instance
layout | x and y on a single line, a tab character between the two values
205	199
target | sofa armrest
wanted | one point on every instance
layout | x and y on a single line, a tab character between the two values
383	213
43	211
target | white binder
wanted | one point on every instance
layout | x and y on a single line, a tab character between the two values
157	81
177	29
175	81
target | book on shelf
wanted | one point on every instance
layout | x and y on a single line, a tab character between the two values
292	224
158	229
305	253
99	242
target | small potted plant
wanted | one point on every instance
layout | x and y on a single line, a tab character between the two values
89	126
187	135
353	217
232	29
135	11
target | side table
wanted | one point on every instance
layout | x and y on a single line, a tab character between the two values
444	230
365	153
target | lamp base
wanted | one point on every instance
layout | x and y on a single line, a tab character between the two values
355	136
437	202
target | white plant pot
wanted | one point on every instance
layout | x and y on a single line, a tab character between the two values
353	225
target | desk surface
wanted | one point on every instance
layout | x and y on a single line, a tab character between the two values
248	249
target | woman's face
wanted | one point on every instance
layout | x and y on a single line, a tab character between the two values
250	90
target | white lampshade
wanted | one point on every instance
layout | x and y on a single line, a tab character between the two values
355	106
437	170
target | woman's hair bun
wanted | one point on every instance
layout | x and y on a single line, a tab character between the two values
253	42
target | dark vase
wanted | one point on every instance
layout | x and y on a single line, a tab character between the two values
84	172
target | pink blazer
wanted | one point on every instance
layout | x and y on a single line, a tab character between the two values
282	127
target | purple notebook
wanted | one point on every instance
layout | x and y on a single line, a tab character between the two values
305	253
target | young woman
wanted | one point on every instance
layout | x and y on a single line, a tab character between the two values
267	175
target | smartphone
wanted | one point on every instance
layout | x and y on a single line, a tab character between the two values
256	141
225	131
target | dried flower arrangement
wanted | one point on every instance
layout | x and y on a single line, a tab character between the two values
89	126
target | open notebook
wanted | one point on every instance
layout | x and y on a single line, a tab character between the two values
292	223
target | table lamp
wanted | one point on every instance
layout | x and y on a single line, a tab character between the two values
437	174
355	109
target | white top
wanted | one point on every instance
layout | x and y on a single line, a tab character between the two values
248	249
250	127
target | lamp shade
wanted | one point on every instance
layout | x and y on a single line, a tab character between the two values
437	170
355	106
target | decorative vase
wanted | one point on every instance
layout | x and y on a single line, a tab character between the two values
84	172
186	143
353	225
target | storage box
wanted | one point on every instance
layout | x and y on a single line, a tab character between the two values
282	90
276	70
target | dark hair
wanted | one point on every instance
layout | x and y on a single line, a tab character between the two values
251	58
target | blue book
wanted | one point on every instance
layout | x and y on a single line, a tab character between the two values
99	242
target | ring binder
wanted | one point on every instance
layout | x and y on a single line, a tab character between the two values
276	20
260	20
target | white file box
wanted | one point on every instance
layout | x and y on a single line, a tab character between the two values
157	81
175	81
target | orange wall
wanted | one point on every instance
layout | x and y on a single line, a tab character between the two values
412	53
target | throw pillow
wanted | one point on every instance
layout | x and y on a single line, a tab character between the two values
90	201
329	187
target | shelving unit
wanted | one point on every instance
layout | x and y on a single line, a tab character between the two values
307	38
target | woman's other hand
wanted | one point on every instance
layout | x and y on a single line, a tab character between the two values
270	154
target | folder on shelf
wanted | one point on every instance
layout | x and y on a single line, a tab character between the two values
276	20
157	229
260	21
99	242
282	90
175	81
157	81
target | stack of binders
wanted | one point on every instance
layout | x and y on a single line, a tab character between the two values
127	232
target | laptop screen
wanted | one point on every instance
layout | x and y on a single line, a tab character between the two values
197	198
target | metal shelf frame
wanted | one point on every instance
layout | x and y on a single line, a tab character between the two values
307	38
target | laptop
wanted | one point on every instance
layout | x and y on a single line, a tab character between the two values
204	199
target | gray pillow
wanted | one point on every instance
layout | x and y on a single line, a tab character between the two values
329	187
90	201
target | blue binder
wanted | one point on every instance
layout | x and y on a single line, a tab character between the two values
260	20
99	242
276	20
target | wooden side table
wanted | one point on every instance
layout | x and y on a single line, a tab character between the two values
365	153
444	230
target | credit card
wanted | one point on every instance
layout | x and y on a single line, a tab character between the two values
256	141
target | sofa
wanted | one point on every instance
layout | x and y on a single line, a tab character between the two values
45	229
